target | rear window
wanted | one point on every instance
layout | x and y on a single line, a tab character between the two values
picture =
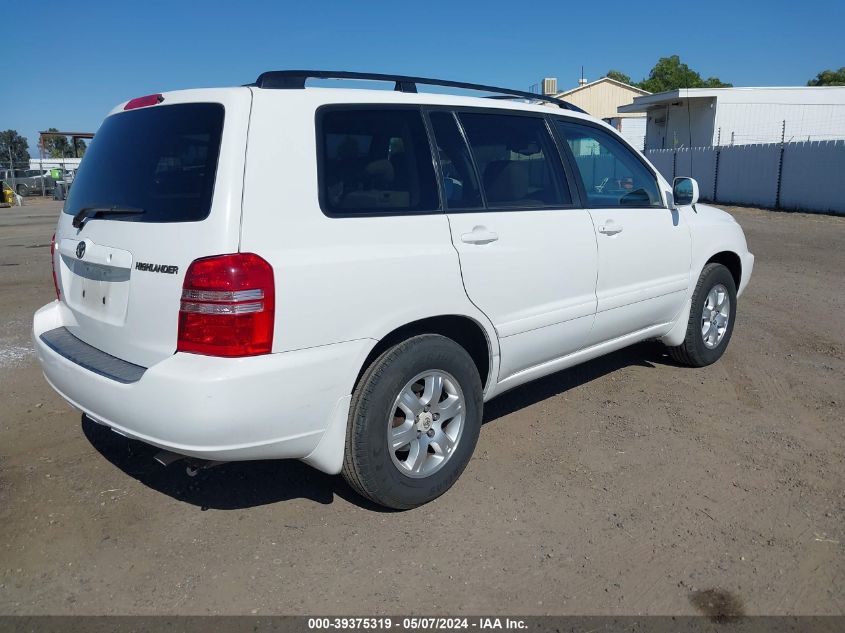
161	159
375	161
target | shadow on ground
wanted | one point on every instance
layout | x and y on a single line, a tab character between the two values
231	486
239	485
646	354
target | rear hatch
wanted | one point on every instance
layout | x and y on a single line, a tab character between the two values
159	186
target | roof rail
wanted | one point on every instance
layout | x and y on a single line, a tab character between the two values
295	79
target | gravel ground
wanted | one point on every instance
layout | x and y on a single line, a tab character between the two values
628	485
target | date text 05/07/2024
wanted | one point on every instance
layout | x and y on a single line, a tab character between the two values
416	623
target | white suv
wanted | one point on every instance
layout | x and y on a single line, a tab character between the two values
345	276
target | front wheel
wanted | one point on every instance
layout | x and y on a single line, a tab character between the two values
413	422
711	319
22	190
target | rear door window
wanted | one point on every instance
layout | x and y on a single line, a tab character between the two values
612	174
161	159
517	161
375	161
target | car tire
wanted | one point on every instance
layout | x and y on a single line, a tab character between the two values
22	190
397	399
711	319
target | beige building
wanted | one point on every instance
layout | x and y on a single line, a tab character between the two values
602	98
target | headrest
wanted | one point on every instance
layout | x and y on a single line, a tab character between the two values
381	171
506	180
348	148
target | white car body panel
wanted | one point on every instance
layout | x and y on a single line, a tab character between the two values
540	296
713	231
644	265
213	408
138	321
552	291
355	276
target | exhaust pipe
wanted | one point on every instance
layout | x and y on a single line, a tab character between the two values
195	466
192	467
165	458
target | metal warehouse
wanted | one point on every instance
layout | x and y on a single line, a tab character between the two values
705	117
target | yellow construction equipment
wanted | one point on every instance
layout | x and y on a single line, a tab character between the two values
7	196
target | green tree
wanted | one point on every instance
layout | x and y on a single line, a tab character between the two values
11	140
56	146
62	147
669	73
829	78
619	76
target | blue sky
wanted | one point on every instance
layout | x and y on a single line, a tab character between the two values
98	53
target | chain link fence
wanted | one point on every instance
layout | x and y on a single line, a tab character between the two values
50	177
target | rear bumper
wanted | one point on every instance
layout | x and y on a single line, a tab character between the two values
262	407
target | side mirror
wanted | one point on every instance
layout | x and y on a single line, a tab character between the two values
685	191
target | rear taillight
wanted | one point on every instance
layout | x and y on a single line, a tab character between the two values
53	266
228	306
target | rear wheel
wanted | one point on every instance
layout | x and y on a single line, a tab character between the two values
413	423
711	319
22	190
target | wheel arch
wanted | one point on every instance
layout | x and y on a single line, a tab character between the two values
468	332
465	331
729	260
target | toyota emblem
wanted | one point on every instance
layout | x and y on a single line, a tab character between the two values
80	250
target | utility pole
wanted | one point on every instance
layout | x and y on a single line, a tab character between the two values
12	171
41	163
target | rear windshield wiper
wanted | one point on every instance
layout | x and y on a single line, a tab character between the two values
86	213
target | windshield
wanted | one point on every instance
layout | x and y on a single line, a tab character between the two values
162	159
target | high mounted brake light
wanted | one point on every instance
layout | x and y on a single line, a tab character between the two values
142	102
228	306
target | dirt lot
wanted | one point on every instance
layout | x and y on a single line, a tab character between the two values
625	486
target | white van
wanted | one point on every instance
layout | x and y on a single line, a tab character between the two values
345	276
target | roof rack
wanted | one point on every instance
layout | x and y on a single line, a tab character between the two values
295	79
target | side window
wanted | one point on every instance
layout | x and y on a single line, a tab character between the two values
459	180
613	176
376	160
517	161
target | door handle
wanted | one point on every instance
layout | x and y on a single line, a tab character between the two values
479	235
610	228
